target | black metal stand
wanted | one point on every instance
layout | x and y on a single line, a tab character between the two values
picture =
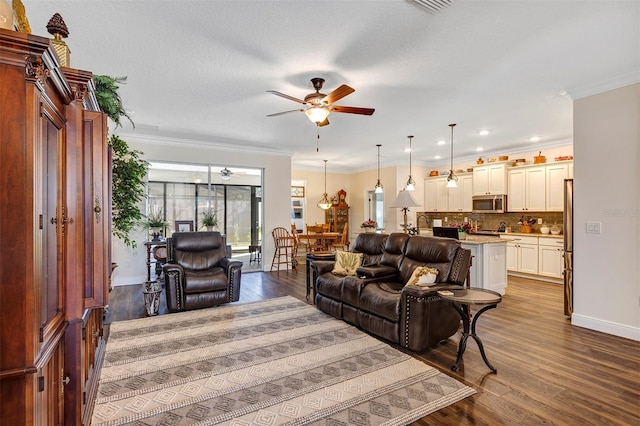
465	311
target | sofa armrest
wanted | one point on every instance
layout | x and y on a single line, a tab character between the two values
321	266
426	318
173	284
376	271
233	271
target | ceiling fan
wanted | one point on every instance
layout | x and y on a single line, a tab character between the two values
321	105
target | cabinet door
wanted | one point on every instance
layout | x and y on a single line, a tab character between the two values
535	189
466	193
528	258
481	180
497	179
435	195
550	261
556	174
516	194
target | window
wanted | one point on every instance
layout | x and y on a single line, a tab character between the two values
183	191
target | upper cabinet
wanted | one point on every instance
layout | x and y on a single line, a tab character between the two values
460	197
526	189
490	179
556	174
436	198
537	188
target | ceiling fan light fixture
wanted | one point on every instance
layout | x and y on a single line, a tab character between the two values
317	114
225	174
324	202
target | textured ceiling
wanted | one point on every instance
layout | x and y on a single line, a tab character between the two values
200	70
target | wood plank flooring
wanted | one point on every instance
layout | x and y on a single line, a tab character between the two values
549	372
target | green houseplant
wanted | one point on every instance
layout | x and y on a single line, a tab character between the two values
127	188
128	169
155	222
209	219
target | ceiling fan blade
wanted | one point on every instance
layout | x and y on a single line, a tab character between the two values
282	95
324	123
351	110
284	112
338	94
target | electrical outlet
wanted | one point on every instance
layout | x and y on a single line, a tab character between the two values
539	221
446	219
594	227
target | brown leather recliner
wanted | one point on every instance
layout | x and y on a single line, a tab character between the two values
198	274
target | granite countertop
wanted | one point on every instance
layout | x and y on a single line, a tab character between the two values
482	239
532	234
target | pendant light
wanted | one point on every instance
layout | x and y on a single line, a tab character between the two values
452	179
324	202
379	186
411	184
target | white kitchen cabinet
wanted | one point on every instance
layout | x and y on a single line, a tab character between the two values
522	254
556	174
550	257
490	179
527	189
460	198
436	198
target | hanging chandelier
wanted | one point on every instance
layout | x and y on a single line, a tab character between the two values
452	179
324	202
379	186
411	184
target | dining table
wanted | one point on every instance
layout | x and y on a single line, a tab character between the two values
319	240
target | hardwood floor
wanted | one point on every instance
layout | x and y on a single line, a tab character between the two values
549	372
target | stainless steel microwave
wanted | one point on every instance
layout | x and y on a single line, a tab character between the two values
489	203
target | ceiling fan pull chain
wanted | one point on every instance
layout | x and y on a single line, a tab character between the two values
318	138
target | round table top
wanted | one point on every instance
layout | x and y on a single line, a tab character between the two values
473	296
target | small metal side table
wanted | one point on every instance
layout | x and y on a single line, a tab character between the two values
462	300
311	275
150	245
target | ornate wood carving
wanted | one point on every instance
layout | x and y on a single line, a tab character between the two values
35	69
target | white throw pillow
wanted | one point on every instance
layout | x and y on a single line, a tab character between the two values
347	262
423	276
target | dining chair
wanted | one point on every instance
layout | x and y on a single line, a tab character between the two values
342	243
285	248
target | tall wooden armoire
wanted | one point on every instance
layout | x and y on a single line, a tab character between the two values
54	235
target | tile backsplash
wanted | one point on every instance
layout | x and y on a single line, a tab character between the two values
487	220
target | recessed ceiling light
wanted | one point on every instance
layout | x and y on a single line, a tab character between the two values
441	142
483	132
437	157
535	139
479	149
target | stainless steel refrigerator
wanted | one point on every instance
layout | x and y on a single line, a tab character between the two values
568	247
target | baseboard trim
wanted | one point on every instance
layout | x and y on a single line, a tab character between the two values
620	330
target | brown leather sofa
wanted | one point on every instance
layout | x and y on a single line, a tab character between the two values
198	273
377	300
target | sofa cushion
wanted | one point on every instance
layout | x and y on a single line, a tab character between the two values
330	285
371	246
437	253
205	281
393	250
382	299
423	275
347	262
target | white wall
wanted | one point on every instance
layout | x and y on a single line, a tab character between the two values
607	190
277	203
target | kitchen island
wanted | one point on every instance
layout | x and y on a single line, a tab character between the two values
489	262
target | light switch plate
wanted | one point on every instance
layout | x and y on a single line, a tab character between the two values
594	227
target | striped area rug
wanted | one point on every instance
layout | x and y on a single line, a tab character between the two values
273	362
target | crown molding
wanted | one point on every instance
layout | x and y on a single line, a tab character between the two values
616	82
221	144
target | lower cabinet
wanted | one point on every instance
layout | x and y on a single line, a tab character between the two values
522	254
536	256
550	257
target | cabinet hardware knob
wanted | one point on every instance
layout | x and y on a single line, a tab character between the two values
66	380
54	220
